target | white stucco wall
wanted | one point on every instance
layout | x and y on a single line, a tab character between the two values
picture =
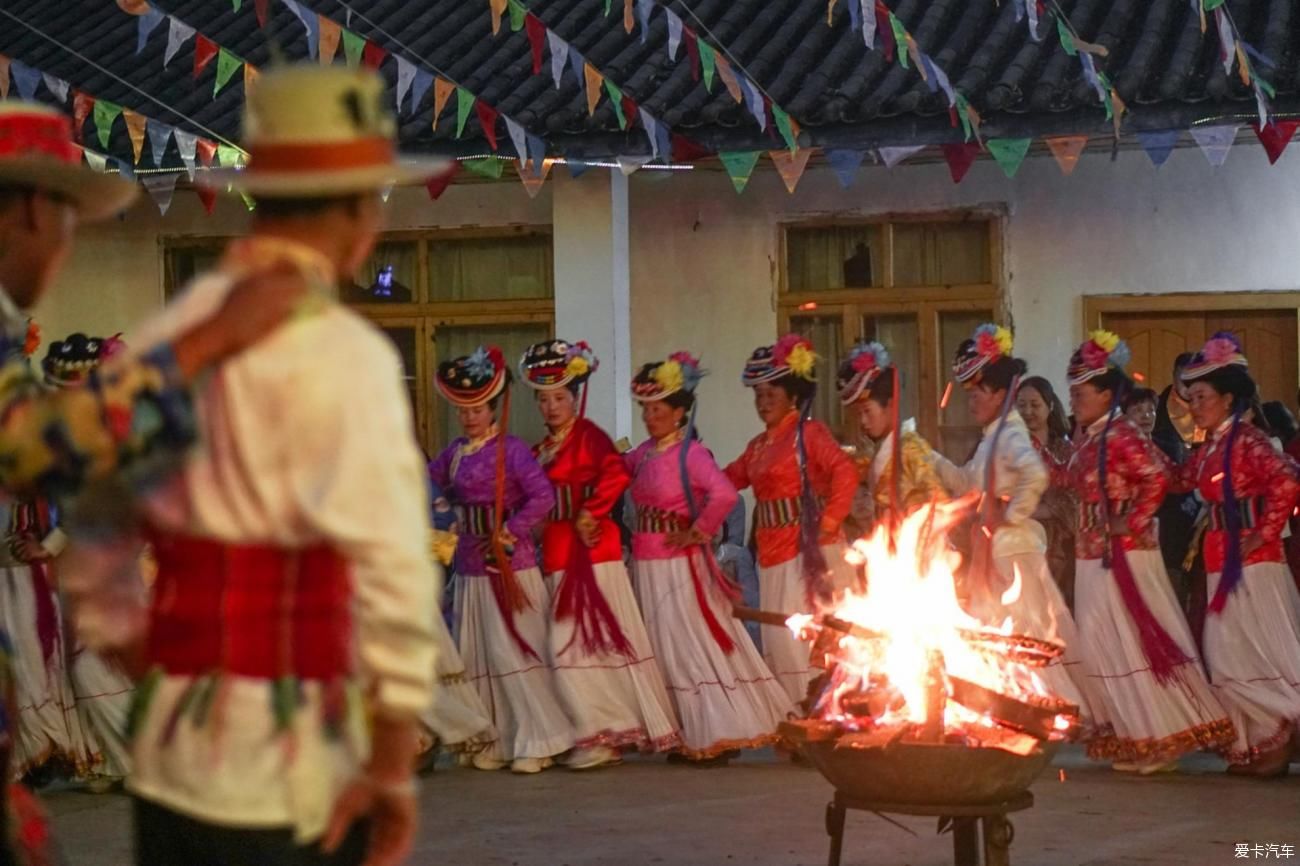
704	260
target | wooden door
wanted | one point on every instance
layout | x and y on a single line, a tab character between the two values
1157	339
1269	338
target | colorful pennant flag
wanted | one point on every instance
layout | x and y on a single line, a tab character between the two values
892	156
498	8
487	119
251	74
960	158
536	32
651	126
135	124
643	10
1159	144
262	7
25	78
786	125
105	114
536	150
186	146
56	86
616	98
82	105
159	134
204	50
1215	141
161	187
97	161
630	165
438	185
1066	150
330	36
518	14
423	81
178	33
310	24
486	166
729	80
208	197
372	56
739	167
207	152
592	80
464	103
559	55
405	78
442	91
228	156
577	62
146	24
708	63
353	48
125	170
790	165
1275	137
1009	153
674	33
518	137
228	64
845	163
754	102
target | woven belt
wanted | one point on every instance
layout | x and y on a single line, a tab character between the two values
657	521
773	513
1249	509
1092	517
479	520
568	501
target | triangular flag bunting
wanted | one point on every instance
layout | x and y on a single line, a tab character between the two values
135	124
204	50
579	63
892	156
593	79
577	168
1158	144
145	24
105	114
486	166
161	188
372	56
708	63
785	126
739	167
82	105
643	10
790	165
518	14
628	21
125	170
536	150
498	8
228	156
159	133
1009	153
208	196
518	138
227	65
25	79
262	7
1066	149
4	77
438	185
630	165
693	52
310	23
728	76
1275	137
423	80
464	103
1215	141
96	161
238	4
559	55
442	91
845	163
533	177
674	33
186	146
353	47
207	151
616	97
57	86
178	33
754	102
536	32
487	119
651	126
330	36
405	78
960	157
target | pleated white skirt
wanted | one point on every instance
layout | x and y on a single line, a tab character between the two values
103	694
613	700
725	701
456	719
1136	718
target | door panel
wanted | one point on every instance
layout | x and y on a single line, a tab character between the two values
1156	340
1269	338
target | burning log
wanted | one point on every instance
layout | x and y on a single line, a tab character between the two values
1035	716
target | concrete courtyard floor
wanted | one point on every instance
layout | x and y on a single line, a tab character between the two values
770	813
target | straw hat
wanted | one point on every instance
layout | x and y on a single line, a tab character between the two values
316	131
36	151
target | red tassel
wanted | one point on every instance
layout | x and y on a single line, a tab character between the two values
579	598
1162	653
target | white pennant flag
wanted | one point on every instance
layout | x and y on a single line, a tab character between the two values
158	133
97	161
178	33
643	10
628	165
161	187
57	86
187	143
754	101
892	156
559	55
651	127
868	22
405	75
518	137
675	33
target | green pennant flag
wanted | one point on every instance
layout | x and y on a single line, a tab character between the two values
1067	38
607	5
1009	153
964	116
1211	5
616	97
900	39
353	47
464	105
783	126
237	4
105	113
227	65
739	167
518	12
709	62
486	166
248	201
228	156
1265	86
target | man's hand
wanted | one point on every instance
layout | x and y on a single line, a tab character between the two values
27	548
255	306
588	528
385	795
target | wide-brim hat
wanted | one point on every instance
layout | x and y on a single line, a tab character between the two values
1222	351
37	151
474	379
680	371
863	366
555	364
316	131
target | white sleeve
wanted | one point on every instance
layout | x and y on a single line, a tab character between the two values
1030	474
359	481
957	480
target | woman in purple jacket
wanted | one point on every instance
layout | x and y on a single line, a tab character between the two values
503	495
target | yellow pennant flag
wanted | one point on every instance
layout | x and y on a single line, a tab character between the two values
728	76
498	9
629	20
135	125
595	81
442	91
1066	149
790	165
330	35
830	11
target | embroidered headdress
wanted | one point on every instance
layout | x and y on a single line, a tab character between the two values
988	344
1102	352
680	371
473	379
863	366
792	355
557	364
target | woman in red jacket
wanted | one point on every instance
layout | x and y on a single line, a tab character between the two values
804	485
605	670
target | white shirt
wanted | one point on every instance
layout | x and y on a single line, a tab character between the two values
305	438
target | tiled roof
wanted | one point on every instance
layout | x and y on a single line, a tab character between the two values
839	92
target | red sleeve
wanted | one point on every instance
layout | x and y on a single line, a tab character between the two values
1274	478
1134	458
612	476
737	471
826	454
1184	477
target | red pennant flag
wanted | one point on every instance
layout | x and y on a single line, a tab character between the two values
204	50
260	6
960	158
82	105
208	196
207	151
536	31
373	55
1275	137
688	150
438	185
487	118
629	109
693	49
885	31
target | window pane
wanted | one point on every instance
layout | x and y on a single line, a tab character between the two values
453	342
826	333
958	432
833	257
901	335
187	262
405	338
491	269
941	254
388	276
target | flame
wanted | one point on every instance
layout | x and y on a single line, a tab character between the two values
799	623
